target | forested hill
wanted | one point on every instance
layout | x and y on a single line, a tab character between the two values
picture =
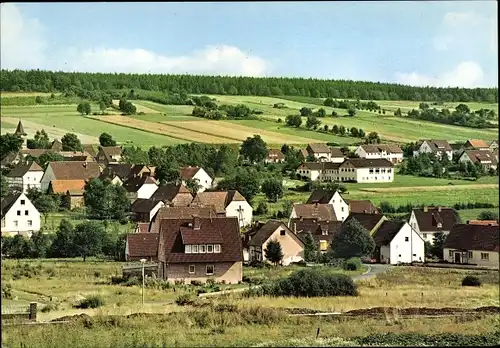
50	81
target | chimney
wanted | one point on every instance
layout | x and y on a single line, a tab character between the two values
196	223
426	209
467	222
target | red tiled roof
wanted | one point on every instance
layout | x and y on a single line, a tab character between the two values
473	237
219	199
275	154
142	227
143	245
483	222
480	156
476	143
193	236
74	187
180	213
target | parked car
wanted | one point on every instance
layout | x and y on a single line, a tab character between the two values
368	260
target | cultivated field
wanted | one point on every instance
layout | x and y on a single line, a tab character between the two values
139	107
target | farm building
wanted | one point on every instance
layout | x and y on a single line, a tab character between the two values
145	209
391	152
342	207
173	195
71	190
274	156
371	222
24	176
322	231
475	144
181	213
199	174
109	154
227	203
483	157
437	147
141	246
69	170
19	215
430	221
140	187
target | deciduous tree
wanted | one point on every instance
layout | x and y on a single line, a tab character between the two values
254	149
70	142
274	252
353	240
106	139
273	189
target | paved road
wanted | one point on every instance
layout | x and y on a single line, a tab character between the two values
373	270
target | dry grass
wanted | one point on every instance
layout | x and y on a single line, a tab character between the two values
139	107
428	188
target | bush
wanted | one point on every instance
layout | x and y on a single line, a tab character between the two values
196	283
156	283
97	274
183	300
50	307
7	291
259	264
210	281
352	264
118	280
93	301
471	281
442	339
133	281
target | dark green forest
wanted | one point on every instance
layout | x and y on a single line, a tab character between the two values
50	81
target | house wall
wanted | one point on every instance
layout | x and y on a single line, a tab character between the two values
76	202
47	177
32	180
406	251
232	210
310	174
427	236
340	206
146	191
153	212
361	152
8	225
203	179
425	148
370	175
293	250
385	254
493	257
230	272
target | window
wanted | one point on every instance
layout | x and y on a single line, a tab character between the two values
26	212
188	249
323	244
469	255
16	223
210	248
217	248
191	269
342	208
202	249
18	213
30	223
23	202
485	256
407	239
415	255
424	235
194	249
377	171
371	171
282	233
210	269
324	232
389	170
450	253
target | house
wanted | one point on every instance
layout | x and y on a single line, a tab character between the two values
339	204
180	213
145	209
493	145
78	156
371	222
361	206
483	222
396	242
336	156
391	152
109	154
88	148
141	227
227	203
274	156
71	190
10	159
68	170
199	174
19	215
437	147
176	195
483	157
24	176
200	249
475	144
322	231
321	212
141	246
474	244
291	245
140	187
320	152
120	171
322	171
430	221
364	170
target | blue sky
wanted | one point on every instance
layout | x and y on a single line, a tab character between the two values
418	43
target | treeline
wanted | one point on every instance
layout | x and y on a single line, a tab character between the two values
49	81
387	208
461	116
206	107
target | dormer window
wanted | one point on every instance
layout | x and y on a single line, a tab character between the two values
187	249
439	225
217	248
194	249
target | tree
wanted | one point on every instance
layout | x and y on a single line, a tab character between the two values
193	185
63	243
342	130
254	149
168	173
373	138
437	169
105	200
44	159
135	155
40	141
488	215
293	121
398	113
273	252
102	106
305	111
437	247
84	108
312	122
70	142
351	112
244	179
129	108
45	204
90	237
361	133
353	240
40	243
4	190
335	129
106	139
311	249
354	132
10	143
328	102
321	112
334	113
273	189
284	149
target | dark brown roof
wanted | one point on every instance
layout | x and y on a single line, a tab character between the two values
22	168
318	148
427	221
122	170
20	129
478	156
9	158
178	194
89	148
439	145
180	213
473	237
187	173
143	245
172	232
314	226
142	205
66	170
361	206
320	196
322	212
265	231
35	152
134	184
141	170
335	152
389	148
387	231
219	199
368	221
369	163
8	201
275	154
319	165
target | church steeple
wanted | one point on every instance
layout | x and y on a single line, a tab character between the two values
20	129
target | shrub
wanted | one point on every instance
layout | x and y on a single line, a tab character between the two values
201	291
156	283
92	301
117	280
184	299
352	264
133	281
301	263
50	307
7	291
259	264
97	274
196	283
471	281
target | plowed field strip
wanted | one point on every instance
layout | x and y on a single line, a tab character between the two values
165	129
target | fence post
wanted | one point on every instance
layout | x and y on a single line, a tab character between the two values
32	315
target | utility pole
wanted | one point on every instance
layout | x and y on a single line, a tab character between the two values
143	261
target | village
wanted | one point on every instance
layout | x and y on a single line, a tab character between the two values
187	235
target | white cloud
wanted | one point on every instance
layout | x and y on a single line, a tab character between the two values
24	47
22	42
466	74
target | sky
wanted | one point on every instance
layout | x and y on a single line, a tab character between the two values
420	43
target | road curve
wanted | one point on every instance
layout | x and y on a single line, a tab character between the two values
373	270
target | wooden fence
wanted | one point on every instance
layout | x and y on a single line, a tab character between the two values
135	270
20	316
